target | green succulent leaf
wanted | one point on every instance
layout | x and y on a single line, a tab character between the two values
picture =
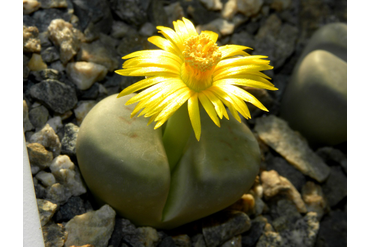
124	164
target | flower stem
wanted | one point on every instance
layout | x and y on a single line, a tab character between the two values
176	135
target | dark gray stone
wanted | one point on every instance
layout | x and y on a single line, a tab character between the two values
333	230
167	242
45	74
224	225
74	206
43	17
305	231
91	93
26	70
276	40
285	44
69	139
96	11
250	237
50	54
54	235
158	15
198	240
284	207
116	237
129	11
199	14
128	232
289	228
243	38
38	116
333	156
55	95
335	187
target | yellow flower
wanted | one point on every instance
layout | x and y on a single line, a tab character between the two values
191	67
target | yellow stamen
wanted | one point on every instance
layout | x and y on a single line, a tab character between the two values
201	56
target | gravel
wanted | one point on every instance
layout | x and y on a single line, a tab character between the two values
300	195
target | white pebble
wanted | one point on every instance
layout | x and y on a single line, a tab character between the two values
84	74
46	178
83	107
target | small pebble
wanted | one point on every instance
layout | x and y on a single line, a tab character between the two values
276	133
46	210
47	137
84	74
36	63
66	37
46	178
94	227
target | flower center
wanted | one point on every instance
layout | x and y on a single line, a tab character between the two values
201	56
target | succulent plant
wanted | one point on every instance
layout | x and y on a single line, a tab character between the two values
162	175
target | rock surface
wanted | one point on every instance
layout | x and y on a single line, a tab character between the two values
31	41
93	227
276	133
54	235
46	210
69	139
68	175
56	95
84	74
47	138
66	37
218	233
38	155
273	184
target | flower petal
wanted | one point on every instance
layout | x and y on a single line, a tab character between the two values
190	27
193	108
245	69
153	104
244	95
172	36
153	53
163	62
181	30
158	61
237	103
219	106
142	84
207	105
249	81
158	102
181	97
237	61
226	100
148	71
148	92
233	50
240	106
165	45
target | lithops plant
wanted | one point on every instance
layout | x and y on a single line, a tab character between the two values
315	100
159	173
